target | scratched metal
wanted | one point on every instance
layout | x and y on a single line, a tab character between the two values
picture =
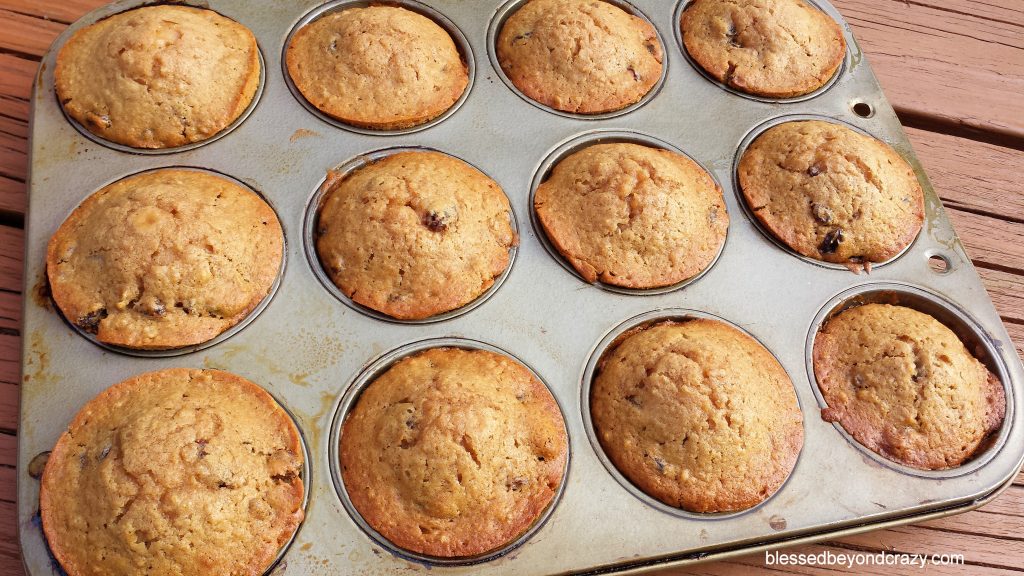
307	347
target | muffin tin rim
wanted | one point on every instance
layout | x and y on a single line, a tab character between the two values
754	133
347	400
311	217
649	318
461	41
510	7
896	294
231	331
82	24
840	72
583	140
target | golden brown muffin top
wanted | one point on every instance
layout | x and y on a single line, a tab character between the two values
453	453
378	67
831	193
633	216
414	234
174	472
581	56
774	48
697	414
164	259
158	76
903	385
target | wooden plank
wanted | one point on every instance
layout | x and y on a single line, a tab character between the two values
1006	291
10	312
8	450
953	68
65	11
1002	553
16	76
13	157
12	254
10	365
1017	335
13	196
9	546
990	240
27	34
972	175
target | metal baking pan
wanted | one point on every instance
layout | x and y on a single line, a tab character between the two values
308	348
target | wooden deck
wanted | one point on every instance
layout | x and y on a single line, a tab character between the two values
954	71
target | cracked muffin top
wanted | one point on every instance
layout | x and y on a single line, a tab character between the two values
697	414
904	386
174	472
380	67
414	234
831	193
633	216
772	48
164	259
453	453
158	76
580	56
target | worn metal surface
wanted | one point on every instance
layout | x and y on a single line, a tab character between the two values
308	348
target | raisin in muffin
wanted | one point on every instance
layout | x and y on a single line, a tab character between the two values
903	385
773	48
633	216
174	472
580	56
414	234
164	259
831	193
453	453
158	76
381	67
697	414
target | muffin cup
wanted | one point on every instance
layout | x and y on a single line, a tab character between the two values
508	8
273	568
312	217
461	44
738	190
612	338
347	401
181	351
677	18
176	149
975	339
580	142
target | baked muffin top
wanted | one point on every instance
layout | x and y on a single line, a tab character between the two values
380	67
158	76
697	414
581	56
773	48
903	385
453	453
164	259
633	216
414	234
174	472
831	193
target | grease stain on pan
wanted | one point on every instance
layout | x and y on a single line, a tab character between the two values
302	133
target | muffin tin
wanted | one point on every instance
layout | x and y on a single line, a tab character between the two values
311	351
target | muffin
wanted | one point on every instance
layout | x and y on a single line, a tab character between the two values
831	193
904	386
581	56
380	67
773	48
697	414
174	472
414	234
158	76
453	453
633	216
164	259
